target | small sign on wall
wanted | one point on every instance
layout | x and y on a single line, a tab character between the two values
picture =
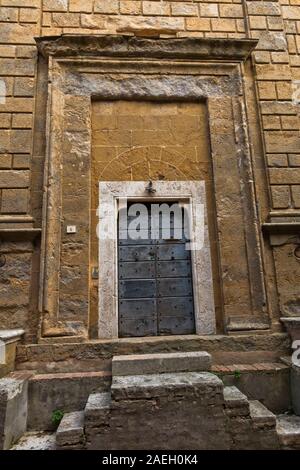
71	229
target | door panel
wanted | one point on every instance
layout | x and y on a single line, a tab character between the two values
174	269
155	285
172	252
137	253
137	270
173	325
137	288
174	287
136	308
178	306
143	327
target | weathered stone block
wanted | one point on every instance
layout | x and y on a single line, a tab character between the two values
288	430
130	7
275	107
223	24
281	197
92	21
161	363
66	20
261	416
183	9
14	179
55	5
18	105
102	6
13	410
282	141
21	161
138	386
263	8
29	15
267	90
209	9
271	122
284	175
19	33
81	7
20	141
273	72
277	159
97	409
5	161
291	12
198	24
156	8
22	121
4	141
9	340
8	14
236	402
272	41
231	11
296	196
14	201
257	22
70	430
24	86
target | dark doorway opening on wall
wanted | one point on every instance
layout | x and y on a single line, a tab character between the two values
155	292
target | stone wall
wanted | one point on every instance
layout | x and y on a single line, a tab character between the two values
138	141
23	80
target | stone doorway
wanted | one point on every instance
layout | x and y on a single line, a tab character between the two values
155	271
209	76
113	197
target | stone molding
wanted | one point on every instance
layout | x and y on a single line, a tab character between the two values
111	195
128	46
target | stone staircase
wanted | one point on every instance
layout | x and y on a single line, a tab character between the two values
176	403
164	401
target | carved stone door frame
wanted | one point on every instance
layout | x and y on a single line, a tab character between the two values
82	68
110	196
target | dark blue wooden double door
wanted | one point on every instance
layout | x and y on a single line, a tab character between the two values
155	284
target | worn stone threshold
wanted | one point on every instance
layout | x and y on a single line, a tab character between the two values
97	354
232	336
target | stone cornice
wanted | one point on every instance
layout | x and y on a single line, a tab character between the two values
139	47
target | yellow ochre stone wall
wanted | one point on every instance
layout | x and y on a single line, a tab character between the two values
276	59
276	69
140	141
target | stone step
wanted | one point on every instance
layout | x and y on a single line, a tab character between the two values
70	432
36	441
258	381
159	385
97	408
143	364
288	430
261	416
145	407
236	403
